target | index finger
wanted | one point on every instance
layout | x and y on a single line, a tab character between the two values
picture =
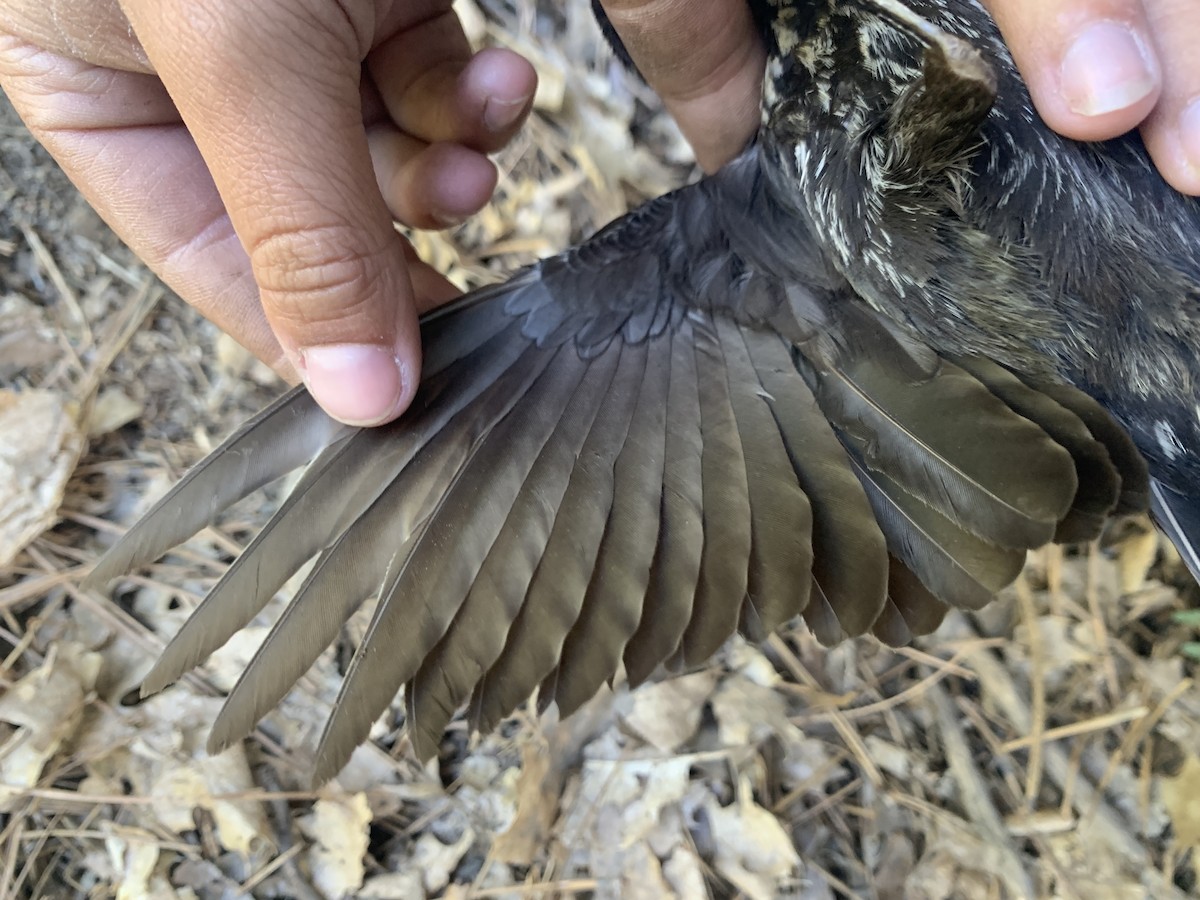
706	60
270	92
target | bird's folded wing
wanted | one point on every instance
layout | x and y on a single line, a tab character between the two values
1179	518
619	458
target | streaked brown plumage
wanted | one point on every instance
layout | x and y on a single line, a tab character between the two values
847	378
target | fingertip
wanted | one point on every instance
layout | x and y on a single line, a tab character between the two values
1092	68
1174	145
429	186
459	182
359	384
706	60
1108	80
1172	132
501	84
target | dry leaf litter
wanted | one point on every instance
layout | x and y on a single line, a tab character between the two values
1047	748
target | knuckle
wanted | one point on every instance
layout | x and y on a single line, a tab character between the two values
313	275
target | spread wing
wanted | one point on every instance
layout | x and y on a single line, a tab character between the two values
619	458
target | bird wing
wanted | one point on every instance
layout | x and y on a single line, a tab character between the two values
1179	519
620	457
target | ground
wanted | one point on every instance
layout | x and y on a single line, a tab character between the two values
1044	748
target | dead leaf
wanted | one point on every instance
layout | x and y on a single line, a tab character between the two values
25	348
752	849
111	410
684	872
46	706
404	885
437	861
40	443
474	24
538	791
242	825
667	714
339	827
134	862
1181	796
748	711
179	774
1073	645
1136	554
641	875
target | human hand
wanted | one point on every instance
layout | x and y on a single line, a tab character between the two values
254	155
1096	68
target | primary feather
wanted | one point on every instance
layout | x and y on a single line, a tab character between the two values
833	380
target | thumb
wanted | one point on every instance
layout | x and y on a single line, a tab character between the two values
270	93
706	60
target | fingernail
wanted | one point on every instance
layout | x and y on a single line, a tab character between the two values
500	115
445	219
1109	67
359	384
1189	133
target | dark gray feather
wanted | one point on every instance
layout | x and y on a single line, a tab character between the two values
285	435
612	605
556	592
676	566
849	551
446	556
477	634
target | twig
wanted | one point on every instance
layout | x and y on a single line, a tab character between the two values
46	260
973	791
1107	824
1033	772
1099	628
847	732
1087	726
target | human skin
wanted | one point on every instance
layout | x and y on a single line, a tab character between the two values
254	155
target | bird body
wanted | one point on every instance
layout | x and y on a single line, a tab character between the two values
853	376
951	208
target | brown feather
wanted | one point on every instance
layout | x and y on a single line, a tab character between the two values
1099	481
921	611
335	490
446	556
957	567
1008	482
781	521
724	565
284	436
676	566
1124	454
612	606
849	551
356	567
476	636
556	592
